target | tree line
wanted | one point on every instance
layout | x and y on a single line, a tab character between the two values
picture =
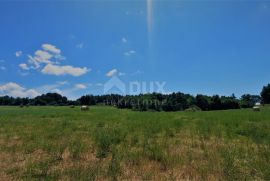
152	101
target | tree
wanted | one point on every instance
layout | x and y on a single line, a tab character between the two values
229	102
202	102
175	101
50	99
216	103
87	100
6	100
248	101
265	94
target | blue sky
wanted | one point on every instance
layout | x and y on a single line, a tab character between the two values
75	47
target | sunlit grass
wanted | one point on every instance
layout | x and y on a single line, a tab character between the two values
106	143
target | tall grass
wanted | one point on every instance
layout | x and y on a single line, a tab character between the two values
59	143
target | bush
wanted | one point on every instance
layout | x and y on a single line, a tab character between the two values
193	108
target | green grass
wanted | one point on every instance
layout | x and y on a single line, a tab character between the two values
105	143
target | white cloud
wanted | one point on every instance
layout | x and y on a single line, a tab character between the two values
58	91
33	62
3	68
112	72
130	52
80	45
10	86
23	73
18	53
121	74
51	48
64	70
51	87
71	36
99	84
48	55
124	40
26	93
43	56
15	90
61	87
59	57
138	72
80	86
47	60
24	66
63	82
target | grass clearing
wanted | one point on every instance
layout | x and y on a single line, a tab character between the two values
105	143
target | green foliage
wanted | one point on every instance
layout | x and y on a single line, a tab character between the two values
39	170
114	166
193	108
105	138
87	100
175	101
248	101
265	94
88	173
231	170
203	102
76	148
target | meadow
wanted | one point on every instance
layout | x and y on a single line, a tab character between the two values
106	143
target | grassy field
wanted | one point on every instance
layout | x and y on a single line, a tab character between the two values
105	143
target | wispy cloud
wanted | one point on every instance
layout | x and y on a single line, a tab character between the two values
80	45
18	53
63	82
124	40
138	72
99	84
80	86
64	88
58	91
121	73
130	52
112	73
23	73
3	68
24	66
56	87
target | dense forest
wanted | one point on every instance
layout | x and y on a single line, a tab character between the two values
152	101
